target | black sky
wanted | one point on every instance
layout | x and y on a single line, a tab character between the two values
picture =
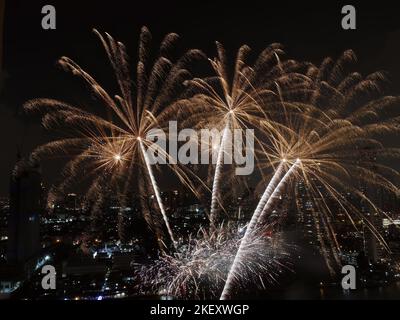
309	30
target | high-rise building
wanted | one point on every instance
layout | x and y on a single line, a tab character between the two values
374	249
23	252
25	208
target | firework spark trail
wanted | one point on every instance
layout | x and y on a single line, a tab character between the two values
276	185
217	176
265	197
278	190
157	192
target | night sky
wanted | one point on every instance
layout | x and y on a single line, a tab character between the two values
309	30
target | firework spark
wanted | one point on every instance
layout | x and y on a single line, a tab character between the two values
198	268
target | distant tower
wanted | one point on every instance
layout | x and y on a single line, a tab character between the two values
373	248
25	209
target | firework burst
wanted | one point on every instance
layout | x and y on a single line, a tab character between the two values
341	133
116	143
233	102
